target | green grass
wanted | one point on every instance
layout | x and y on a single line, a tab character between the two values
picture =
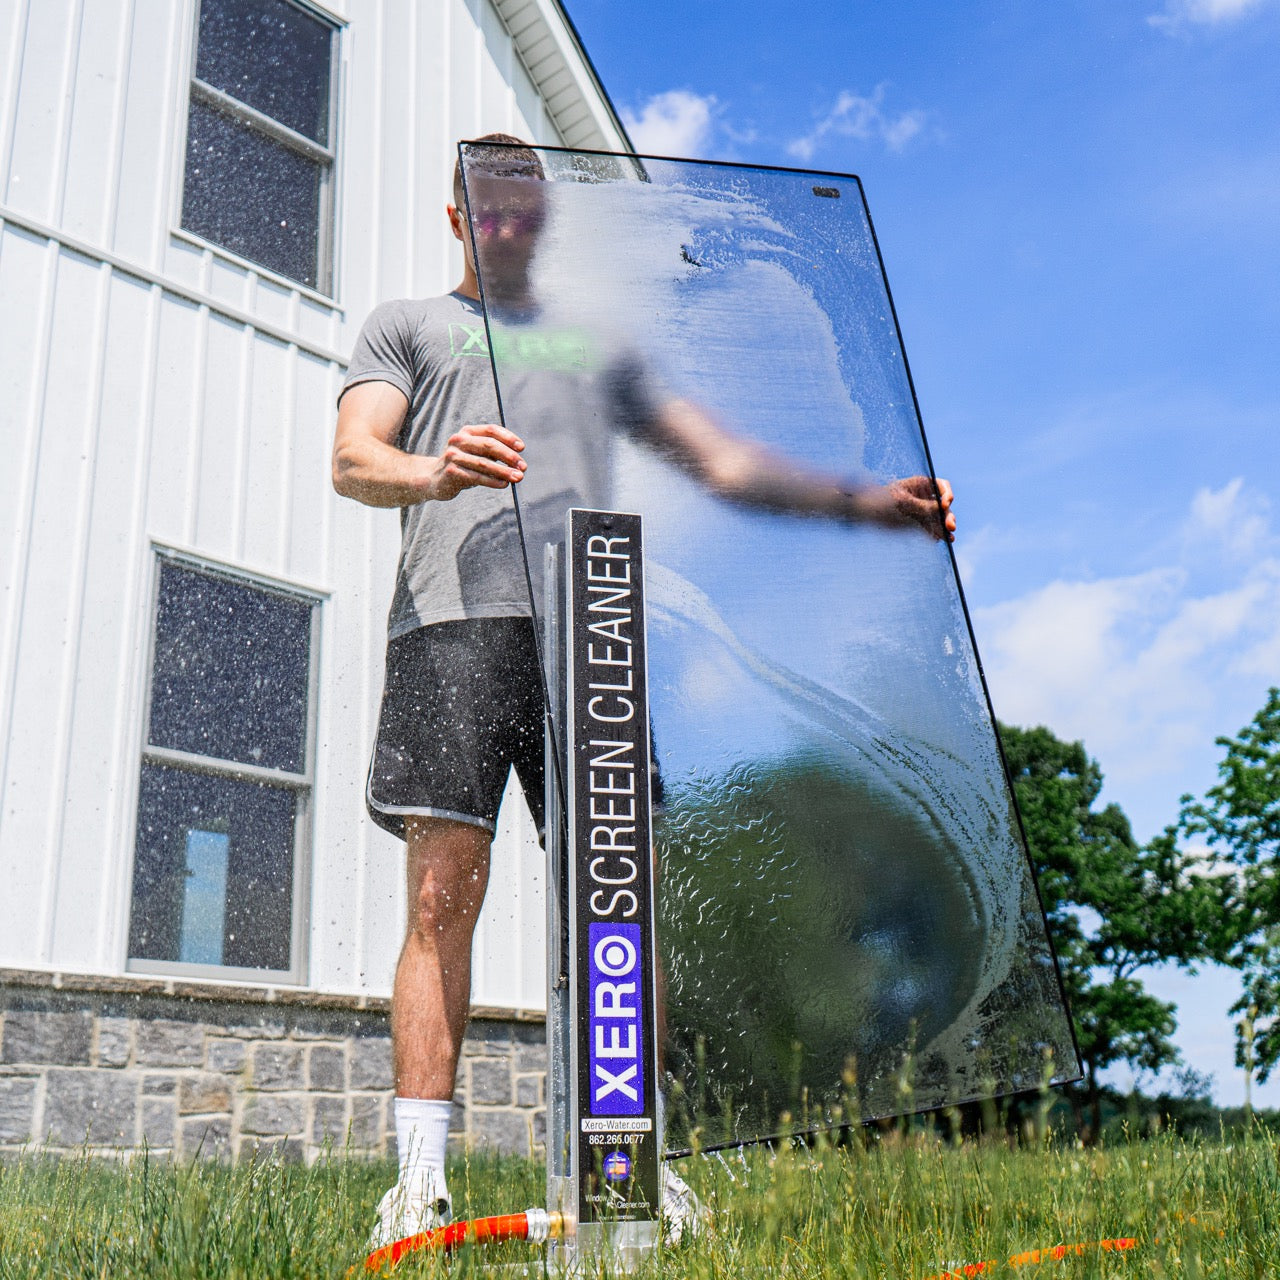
904	1208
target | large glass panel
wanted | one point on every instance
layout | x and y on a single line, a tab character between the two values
199	836
847	920
231	670
252	194
270	55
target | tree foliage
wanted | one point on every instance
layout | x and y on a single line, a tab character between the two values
1239	820
1113	906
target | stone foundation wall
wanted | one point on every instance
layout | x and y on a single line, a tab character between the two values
202	1069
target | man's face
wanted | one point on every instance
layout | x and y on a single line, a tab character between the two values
508	215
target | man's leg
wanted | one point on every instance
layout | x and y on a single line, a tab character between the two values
448	871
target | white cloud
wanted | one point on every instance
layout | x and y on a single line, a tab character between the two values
1137	666
855	116
1231	519
1179	14
674	123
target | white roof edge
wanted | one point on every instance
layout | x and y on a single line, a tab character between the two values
600	129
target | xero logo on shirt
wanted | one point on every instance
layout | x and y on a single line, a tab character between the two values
557	351
467	339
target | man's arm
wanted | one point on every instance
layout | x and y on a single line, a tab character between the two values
746	472
369	467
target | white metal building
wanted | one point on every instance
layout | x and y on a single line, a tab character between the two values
202	199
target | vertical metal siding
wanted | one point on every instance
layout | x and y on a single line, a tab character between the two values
90	169
45	92
160	392
47	633
153	75
131	590
86	839
27	270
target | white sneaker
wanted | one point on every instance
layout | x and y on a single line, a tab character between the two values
682	1214
410	1207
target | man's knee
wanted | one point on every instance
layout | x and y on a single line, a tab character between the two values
448	874
445	903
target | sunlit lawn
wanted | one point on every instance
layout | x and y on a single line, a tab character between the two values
906	1207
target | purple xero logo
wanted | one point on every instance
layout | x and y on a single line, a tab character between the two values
617	1057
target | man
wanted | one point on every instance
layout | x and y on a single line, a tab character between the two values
418	428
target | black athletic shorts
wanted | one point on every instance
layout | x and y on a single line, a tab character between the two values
461	705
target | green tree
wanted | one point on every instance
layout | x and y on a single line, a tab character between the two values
1114	907
1240	821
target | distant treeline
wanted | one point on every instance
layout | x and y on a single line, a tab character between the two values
1207	888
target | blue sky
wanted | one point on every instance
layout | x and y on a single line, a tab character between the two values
1079	209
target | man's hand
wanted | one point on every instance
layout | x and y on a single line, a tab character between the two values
369	465
748	473
913	502
486	455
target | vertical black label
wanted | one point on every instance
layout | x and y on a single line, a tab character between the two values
617	1070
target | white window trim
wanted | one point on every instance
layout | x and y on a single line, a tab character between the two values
303	784
325	290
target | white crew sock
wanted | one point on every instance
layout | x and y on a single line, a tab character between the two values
422	1133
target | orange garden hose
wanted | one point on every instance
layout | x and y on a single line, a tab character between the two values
533	1225
1031	1257
539	1225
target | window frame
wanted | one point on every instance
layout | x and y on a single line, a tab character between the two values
193	88
302	785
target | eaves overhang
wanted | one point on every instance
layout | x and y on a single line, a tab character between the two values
552	52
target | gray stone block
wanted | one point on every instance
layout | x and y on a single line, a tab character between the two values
205	1139
259	1029
159	1124
528	1091
274	1114
327	1068
325	1025
371	1063
458	1117
490	1082
487	1040
539	1130
98	1106
159	1083
531	1057
115	1042
228	1056
276	1066
286	1150
367	1121
329	1122
506	1132
203	1091
164	1043
17	1108
53	1039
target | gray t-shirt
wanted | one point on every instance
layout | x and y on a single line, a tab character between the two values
563	395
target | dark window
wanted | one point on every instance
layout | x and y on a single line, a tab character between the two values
226	781
259	168
230	673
